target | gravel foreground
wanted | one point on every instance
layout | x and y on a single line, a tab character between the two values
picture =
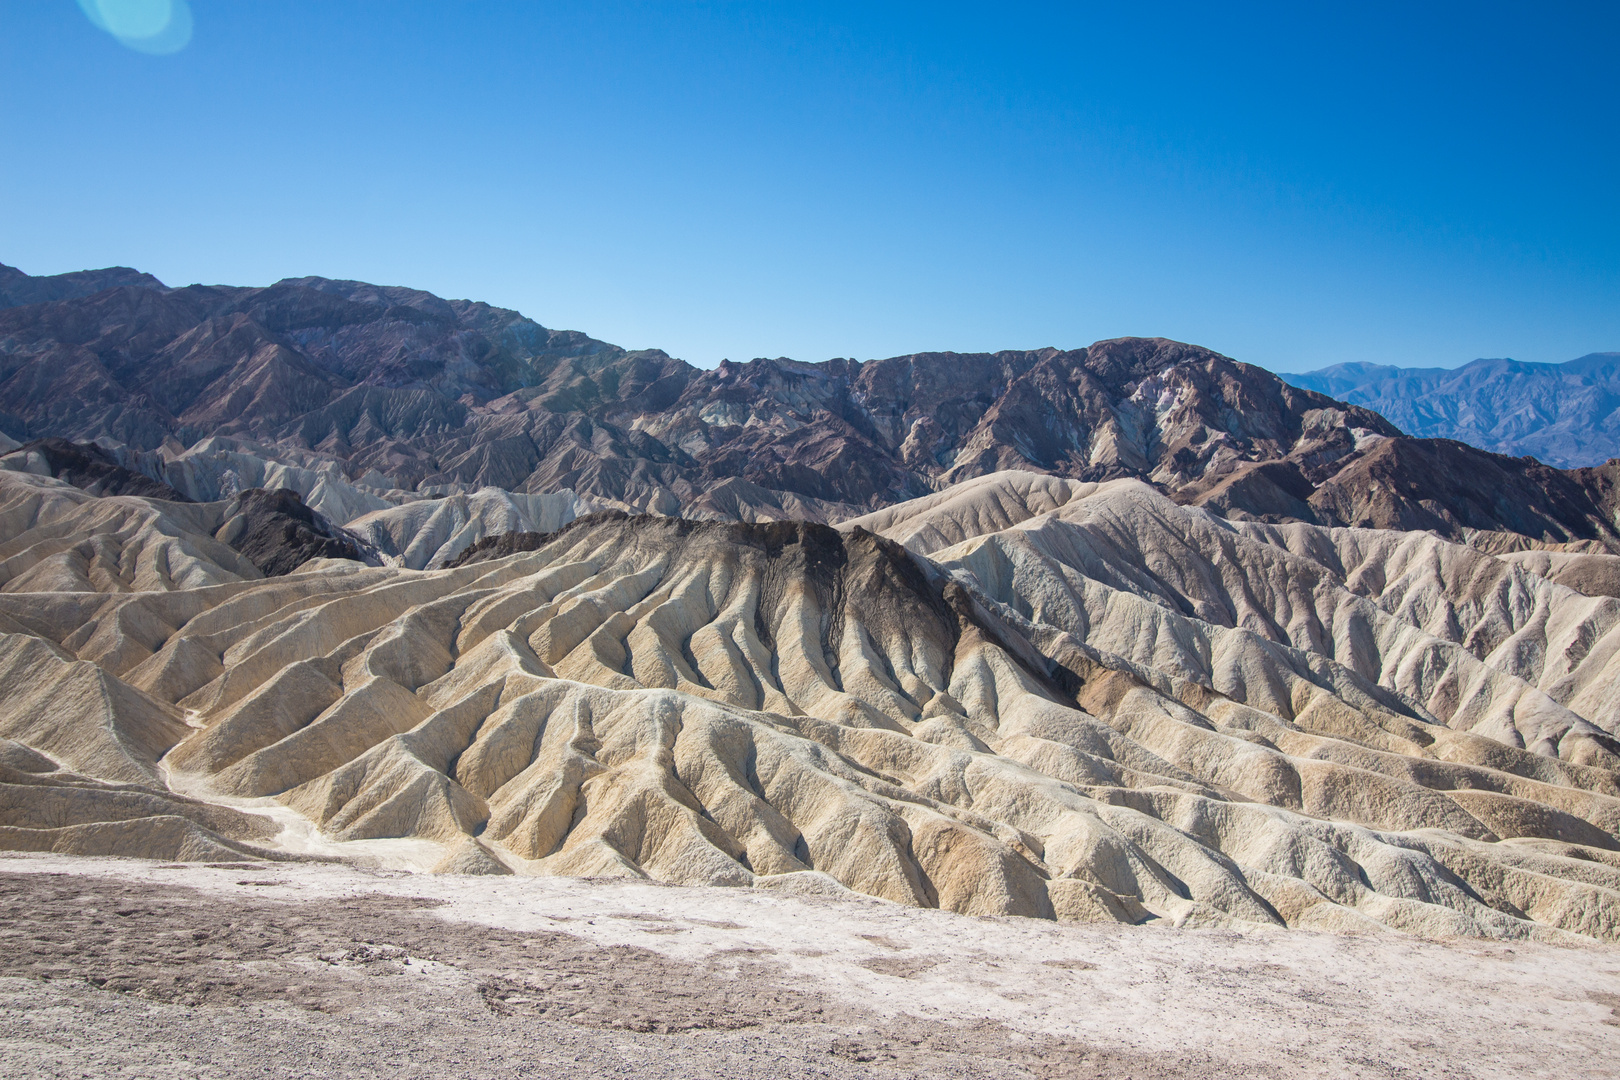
135	969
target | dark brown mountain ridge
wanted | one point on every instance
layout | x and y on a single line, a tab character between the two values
18	288
435	395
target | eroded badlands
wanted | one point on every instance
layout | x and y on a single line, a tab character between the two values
1024	695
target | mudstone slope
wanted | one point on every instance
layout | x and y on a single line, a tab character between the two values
1024	695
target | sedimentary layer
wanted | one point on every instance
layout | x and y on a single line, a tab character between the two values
1024	695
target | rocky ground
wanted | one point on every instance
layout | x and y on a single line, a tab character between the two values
141	969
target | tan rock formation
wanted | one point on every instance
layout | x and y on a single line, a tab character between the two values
1066	700
56	538
428	533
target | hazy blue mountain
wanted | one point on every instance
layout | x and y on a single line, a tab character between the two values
1564	414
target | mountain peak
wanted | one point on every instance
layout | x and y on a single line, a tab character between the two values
434	395
18	289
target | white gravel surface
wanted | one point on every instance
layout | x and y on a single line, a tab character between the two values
858	984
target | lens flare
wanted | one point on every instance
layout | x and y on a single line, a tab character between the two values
158	27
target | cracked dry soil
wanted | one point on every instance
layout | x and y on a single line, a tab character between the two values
104	978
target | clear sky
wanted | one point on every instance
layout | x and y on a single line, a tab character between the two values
1292	184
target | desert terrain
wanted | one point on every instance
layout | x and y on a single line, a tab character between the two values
1023	696
392	685
137	968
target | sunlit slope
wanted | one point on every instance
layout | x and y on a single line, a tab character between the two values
1085	703
56	538
1476	642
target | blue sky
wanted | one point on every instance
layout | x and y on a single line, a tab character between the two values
1294	185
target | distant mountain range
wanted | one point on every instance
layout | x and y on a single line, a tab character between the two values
379	396
18	288
1564	414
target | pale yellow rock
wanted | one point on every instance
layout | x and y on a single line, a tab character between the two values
1071	701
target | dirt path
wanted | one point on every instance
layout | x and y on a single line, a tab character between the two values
124	968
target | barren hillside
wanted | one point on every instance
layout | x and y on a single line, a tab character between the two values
364	396
1025	695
